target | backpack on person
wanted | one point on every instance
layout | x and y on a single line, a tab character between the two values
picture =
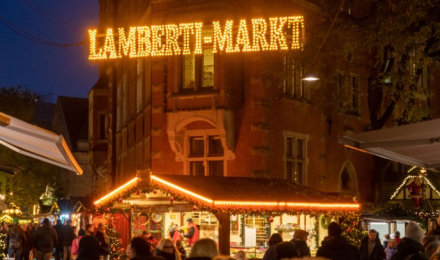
14	239
46	238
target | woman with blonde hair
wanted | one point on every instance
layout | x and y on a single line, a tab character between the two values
300	241
167	250
204	249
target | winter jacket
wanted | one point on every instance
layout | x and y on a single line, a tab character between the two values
430	244
165	255
103	243
406	247
389	252
385	243
75	246
338	248
301	245
182	253
193	234
46	229
270	253
88	248
378	251
68	235
16	230
59	229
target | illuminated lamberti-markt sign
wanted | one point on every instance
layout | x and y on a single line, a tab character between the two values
276	33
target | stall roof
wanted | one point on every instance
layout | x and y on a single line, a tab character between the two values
414	144
37	143
240	192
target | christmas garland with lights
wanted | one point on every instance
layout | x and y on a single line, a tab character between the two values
3	250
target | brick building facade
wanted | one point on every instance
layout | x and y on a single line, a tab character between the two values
241	114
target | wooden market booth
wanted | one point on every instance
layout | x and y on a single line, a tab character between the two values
230	210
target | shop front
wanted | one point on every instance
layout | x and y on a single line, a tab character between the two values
238	213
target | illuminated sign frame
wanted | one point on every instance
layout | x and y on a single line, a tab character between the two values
275	33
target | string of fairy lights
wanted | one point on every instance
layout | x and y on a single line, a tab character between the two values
176	39
404	182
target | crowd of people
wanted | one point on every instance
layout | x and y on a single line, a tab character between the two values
42	242
416	245
66	242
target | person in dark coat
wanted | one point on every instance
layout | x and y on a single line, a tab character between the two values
371	248
59	244
16	241
140	250
44	251
299	240
88	248
385	240
273	241
181	249
286	250
68	237
103	241
336	247
27	245
411	243
167	250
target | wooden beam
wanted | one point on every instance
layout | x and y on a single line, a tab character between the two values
224	234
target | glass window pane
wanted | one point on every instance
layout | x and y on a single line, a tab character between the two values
208	69
215	146
196	147
298	173
216	168
289	147
299	146
196	168
189	72
289	171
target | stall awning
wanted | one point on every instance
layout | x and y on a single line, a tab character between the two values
37	143
239	194
415	144
235	193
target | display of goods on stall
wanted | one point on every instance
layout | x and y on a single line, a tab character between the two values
287	227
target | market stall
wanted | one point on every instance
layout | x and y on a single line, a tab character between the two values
239	213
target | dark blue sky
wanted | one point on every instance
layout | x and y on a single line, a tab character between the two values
43	68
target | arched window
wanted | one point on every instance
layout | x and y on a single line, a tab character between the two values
348	179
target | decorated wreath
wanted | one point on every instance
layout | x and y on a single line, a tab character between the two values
325	221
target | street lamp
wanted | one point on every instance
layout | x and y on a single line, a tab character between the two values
309	76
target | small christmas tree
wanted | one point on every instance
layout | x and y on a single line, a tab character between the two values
114	239
352	230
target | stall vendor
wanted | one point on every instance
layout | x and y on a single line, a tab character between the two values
193	232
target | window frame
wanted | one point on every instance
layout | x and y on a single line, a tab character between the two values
293	86
293	159
206	157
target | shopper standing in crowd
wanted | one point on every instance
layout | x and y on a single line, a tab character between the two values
336	247
397	237
167	250
193	233
386	238
140	250
68	237
90	230
75	243
390	249
286	250
175	233
203	249
274	240
16	241
411	243
300	241
433	228
59	243
88	248
32	232
26	243
180	248
103	242
371	248
45	241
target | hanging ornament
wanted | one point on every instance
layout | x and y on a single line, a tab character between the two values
108	209
171	199
271	219
195	207
138	192
120	200
154	191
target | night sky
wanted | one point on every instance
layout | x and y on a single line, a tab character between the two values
62	71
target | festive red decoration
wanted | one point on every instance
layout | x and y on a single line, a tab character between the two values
154	191
271	219
171	198
120	200
138	192
195	207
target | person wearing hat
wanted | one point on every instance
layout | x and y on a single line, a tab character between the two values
371	248
411	243
336	247
193	232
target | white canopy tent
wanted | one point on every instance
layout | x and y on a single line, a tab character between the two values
415	144
37	143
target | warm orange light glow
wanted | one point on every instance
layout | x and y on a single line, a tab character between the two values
289	204
186	38
117	190
181	189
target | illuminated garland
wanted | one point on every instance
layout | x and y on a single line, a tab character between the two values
3	250
114	239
